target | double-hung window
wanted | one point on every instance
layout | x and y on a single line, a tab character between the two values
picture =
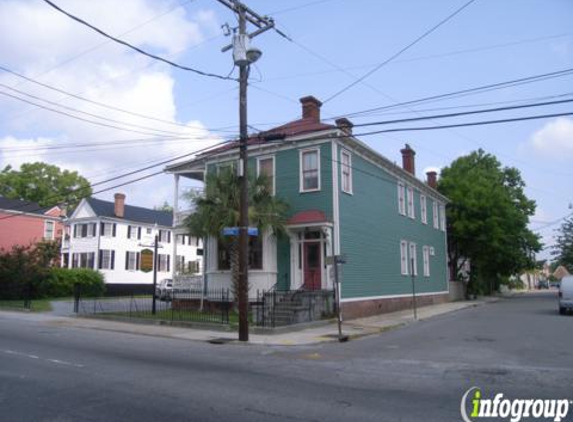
106	259
411	211
404	257
426	255
180	263
435	215
266	167
442	218
107	229
346	170
423	209
132	261
164	262
401	199
165	236
413	262
309	170
49	230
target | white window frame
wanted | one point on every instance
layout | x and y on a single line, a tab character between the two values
268	157
49	233
423	209
105	229
443	218
301	169
163	263
426	256
410	202
413	255
401	199
105	259
435	215
404	257
348	165
131	261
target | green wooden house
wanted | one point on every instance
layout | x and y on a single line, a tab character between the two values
344	198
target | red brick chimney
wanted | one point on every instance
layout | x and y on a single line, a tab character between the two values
432	180
408	161
119	205
310	108
344	125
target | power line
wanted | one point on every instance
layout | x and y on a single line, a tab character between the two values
97	116
78	97
70	192
94	122
465	113
139	50
95	47
464	92
418	39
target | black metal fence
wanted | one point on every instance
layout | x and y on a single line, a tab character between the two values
276	308
210	306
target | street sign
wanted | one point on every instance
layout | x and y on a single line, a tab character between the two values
339	259
234	231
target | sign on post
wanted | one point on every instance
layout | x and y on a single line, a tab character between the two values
146	264
234	231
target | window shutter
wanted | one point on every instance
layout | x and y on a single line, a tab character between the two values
139	233
100	260
112	260
75	230
102	228
127	260
114	229
168	263
137	258
129	232
168	238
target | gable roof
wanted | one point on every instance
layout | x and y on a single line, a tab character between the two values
28	207
131	213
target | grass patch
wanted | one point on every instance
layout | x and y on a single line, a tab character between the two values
38	305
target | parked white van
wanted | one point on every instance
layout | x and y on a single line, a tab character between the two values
566	294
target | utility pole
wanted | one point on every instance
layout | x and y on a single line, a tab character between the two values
155	262
244	198
244	56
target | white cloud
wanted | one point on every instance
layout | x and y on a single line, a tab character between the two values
47	46
555	139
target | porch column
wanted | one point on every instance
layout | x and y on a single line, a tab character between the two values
175	223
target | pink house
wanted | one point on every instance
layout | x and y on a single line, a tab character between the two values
24	223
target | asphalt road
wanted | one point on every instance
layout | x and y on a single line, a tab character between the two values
520	347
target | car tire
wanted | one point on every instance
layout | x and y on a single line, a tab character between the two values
562	311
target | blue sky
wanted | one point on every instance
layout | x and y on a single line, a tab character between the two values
335	41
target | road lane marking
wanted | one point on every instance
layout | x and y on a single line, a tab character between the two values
31	356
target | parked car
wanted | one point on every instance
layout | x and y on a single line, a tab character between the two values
554	284
566	295
164	289
542	284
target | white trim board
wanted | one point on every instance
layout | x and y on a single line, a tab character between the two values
361	299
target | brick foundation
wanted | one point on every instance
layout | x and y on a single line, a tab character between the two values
365	308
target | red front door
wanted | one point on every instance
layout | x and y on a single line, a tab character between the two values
312	266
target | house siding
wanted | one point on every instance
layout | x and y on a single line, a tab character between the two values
371	229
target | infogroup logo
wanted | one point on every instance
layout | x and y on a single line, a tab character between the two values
513	410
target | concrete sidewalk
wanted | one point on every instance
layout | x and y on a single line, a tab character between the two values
327	332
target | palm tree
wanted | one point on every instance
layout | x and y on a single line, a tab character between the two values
218	207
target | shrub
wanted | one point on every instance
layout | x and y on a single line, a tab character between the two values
61	282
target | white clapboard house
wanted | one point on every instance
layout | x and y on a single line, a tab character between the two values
118	240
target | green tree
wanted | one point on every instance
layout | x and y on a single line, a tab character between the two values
487	220
165	207
218	207
563	248
43	183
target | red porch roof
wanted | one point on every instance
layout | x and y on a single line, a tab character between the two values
307	217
